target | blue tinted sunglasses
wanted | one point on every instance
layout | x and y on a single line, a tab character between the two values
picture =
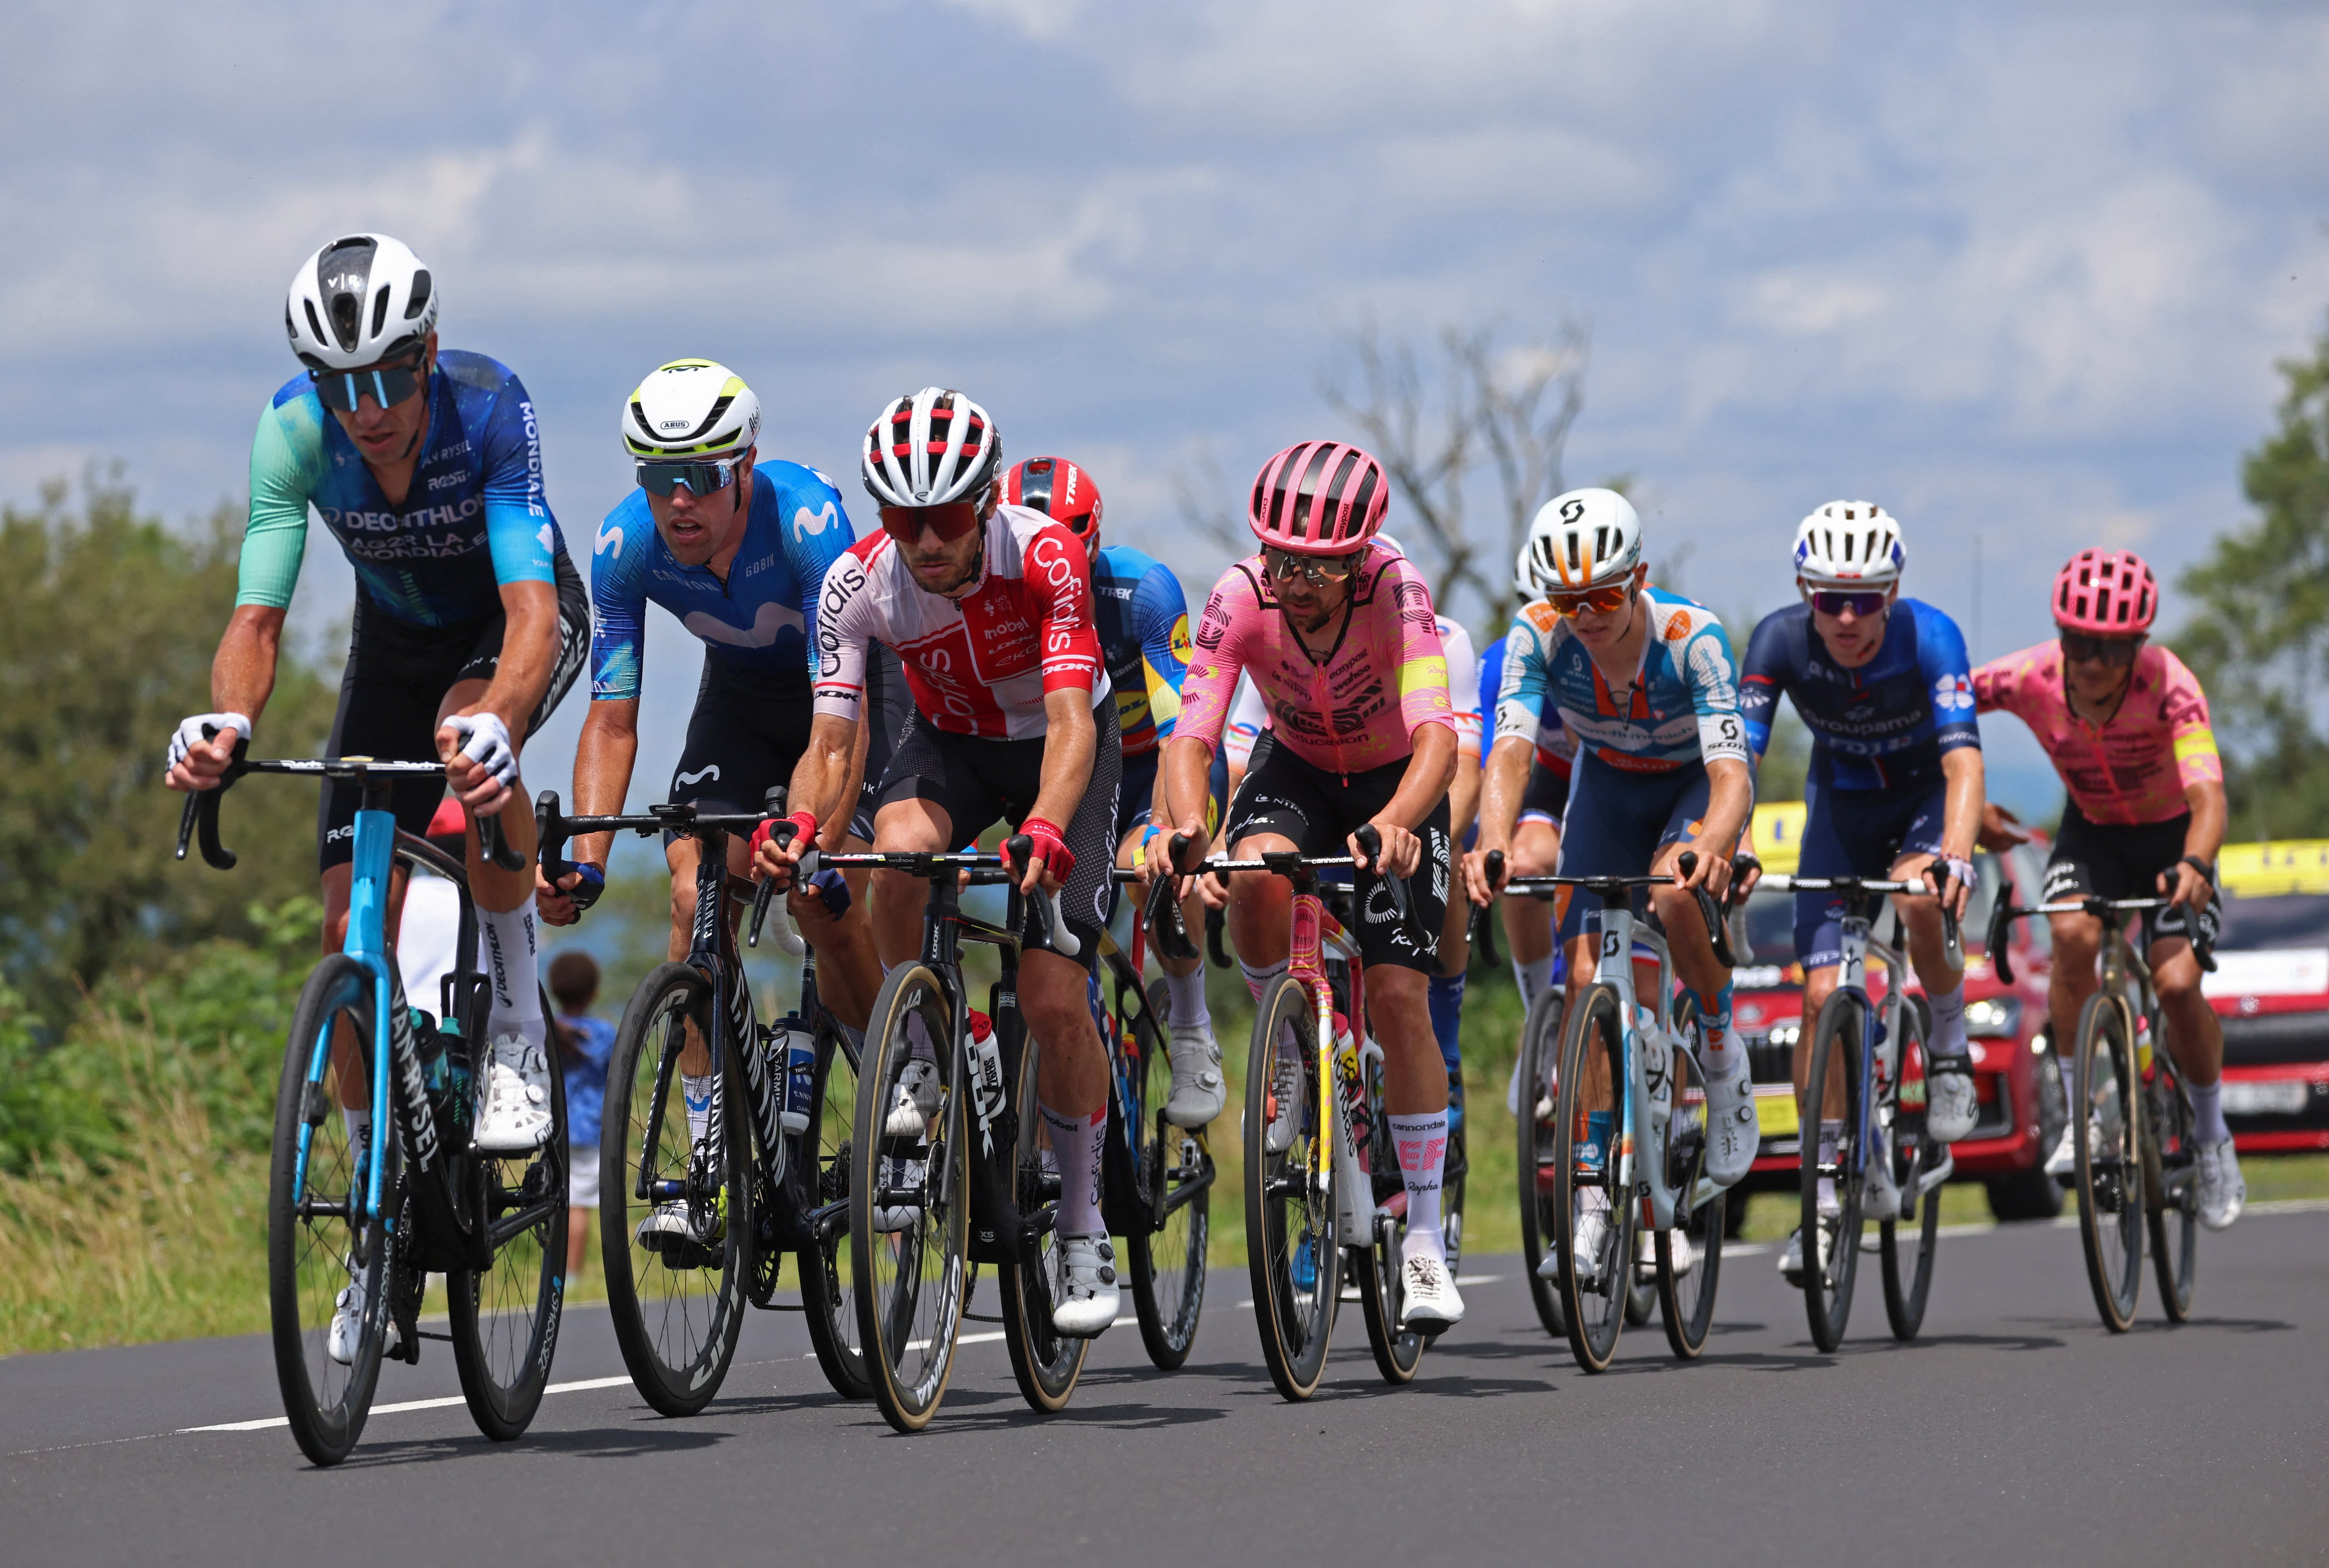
386	384
702	478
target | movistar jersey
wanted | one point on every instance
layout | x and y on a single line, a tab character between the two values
1681	707
761	621
1881	726
1144	636
474	518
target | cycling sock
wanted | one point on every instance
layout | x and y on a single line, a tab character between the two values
1447	1000
1187	1010
359	1125
1532	976
1075	1141
1719	1054
697	1092
1831	1135
1257	980
509	959
1422	1143
1948	1024
2208	1112
919	1046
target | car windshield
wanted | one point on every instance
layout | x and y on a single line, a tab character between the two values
1771	917
2286	920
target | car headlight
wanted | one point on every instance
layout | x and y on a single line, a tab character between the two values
1994	1016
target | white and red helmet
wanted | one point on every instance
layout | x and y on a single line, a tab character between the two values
1319	499
934	447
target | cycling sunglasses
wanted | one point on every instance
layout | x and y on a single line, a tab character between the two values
702	478
1862	603
1602	600
1284	566
2081	648
949	522
388	384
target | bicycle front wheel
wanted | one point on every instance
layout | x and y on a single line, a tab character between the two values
1834	1095
1908	1253
2174	1211
1167	1264
1690	1256
827	1299
674	1212
1044	1363
1593	1223
1292	1250
1382	1295
1538	1162
2106	1105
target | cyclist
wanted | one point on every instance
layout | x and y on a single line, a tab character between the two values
1338	634
1895	784
736	549
1645	681
988	606
2126	725
1143	624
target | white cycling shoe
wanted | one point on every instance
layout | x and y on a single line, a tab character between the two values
1084	1298
2223	1193
671	1221
1791	1261
1432	1304
899	1173
1287	1093
516	1116
347	1325
1733	1135
916	1100
2063	1163
1592	1239
1949	1104
1198	1087
1646	1262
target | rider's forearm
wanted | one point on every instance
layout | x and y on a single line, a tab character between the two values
243	676
1431	769
1730	800
529	654
1463	796
1509	760
1963	775
2210	810
604	755
1188	765
1070	741
821	777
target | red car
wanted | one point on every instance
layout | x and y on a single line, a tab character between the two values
2271	990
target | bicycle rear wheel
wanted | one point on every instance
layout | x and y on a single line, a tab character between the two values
2174	1215
1838	1045
909	1203
674	1216
1292	1251
1044	1363
827	1299
1539	1156
1688	1256
2106	1105
1167	1265
1591	1119
504	1317
1908	1260
314	1253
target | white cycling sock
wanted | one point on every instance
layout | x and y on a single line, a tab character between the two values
1532	977
1076	1142
359	1125
697	1094
1422	1144
1831	1135
1257	980
1948	1024
2208	1112
510	958
919	1046
1188	1009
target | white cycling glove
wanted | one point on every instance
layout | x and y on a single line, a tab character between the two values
1961	870
190	733
485	740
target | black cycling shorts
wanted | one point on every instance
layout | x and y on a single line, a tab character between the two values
1283	794
747	733
2123	860
396	679
979	782
1545	797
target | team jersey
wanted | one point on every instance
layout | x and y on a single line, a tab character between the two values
1554	747
473	519
1682	708
1883	725
1144	636
761	621
2136	767
980	664
1249	715
1353	708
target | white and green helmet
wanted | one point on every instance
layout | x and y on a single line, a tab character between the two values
690	409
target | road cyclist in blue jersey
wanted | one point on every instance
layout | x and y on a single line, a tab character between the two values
1895	787
1142	620
469	625
1645	685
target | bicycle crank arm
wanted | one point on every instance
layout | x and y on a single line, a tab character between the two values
1938	1174
829	1222
1187	1191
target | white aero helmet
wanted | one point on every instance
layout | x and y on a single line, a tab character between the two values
930	448
690	407
1580	539
1850	542
358	301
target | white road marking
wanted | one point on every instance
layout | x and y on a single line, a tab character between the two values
276	1420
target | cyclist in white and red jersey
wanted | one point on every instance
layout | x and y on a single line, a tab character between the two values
2125	726
1337	633
989	608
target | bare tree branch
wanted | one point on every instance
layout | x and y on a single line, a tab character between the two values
1205	505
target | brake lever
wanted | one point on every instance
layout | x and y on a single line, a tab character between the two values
1163	911
1048	914
787	939
496	846
1483	933
1718	929
201	812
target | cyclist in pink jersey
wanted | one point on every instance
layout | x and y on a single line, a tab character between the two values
1338	634
2125	726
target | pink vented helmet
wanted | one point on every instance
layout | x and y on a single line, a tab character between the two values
2105	593
1319	499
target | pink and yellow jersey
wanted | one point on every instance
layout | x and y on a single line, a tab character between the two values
2136	767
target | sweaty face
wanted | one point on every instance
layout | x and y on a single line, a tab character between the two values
943	566
696	530
1852	639
387	436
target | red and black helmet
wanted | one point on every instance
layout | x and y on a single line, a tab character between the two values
1057	488
1319	499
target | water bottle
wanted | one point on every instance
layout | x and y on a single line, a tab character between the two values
1354	1082
1657	1065
986	1065
1593	1154
800	1080
431	1047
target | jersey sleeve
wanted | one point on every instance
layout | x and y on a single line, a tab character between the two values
2184	707
1997	685
286	457
843	629
1949	679
1422	659
1521	696
618	600
1249	717
1713	678
1060	593
1160	613
1762	681
1219	655
1463	689
816	531
520	532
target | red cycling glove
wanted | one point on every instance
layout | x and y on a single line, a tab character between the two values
800	819
1048	850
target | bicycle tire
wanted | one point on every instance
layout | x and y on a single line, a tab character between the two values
504	1319
1167	1265
909	1292
2105	1099
1044	1363
1382	1294
1642	1285
676	1324
1687	1280
1293	1253
1537	1157
1837	1037
827	1299
2174	1216
1908	1279
1593	1071
308	1254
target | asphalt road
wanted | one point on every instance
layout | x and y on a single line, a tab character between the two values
2015	1430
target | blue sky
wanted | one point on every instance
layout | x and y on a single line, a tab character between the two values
2018	271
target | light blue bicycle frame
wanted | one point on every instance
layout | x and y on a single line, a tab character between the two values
367	943
1637	1165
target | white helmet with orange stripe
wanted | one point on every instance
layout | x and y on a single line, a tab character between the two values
1580	539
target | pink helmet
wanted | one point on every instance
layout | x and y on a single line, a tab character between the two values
2105	593
1319	499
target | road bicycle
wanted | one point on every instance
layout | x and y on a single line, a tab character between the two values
1882	1165
1322	1177
1629	1136
695	1225
2137	1160
374	1221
